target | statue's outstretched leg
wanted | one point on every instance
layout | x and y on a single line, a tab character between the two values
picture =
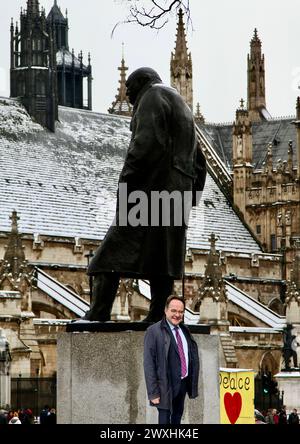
105	286
161	288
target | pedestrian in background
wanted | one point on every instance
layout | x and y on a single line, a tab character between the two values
282	417
293	417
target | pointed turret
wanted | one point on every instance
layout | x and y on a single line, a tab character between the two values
297	123
199	118
256	80
14	255
181	65
213	299
212	292
181	51
290	163
213	285
242	136
33	7
15	273
242	156
33	68
61	25
121	105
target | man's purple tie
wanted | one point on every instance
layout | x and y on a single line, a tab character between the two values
181	352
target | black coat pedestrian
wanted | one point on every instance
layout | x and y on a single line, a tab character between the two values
3	418
162	156
157	372
293	418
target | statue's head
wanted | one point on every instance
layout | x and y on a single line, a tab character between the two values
138	79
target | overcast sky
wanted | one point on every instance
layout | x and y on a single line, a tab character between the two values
219	42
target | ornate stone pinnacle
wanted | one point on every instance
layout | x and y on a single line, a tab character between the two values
14	221
213	239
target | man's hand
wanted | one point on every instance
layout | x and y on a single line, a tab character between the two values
155	401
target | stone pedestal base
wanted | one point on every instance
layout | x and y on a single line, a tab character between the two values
100	379
289	382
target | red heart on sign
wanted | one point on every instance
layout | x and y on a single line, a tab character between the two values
233	406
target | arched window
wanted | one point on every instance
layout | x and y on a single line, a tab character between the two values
277	306
268	363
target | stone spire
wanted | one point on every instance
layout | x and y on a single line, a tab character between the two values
14	266
212	294
61	25
181	51
297	124
199	118
242	156
213	285
290	157
256	79
121	105
214	305
181	65
14	255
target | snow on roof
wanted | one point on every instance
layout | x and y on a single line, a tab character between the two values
254	330
10	295
64	56
288	375
278	131
241	299
64	184
58	322
61	294
265	113
254	307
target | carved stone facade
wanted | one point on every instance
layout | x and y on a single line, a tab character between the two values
33	65
269	198
181	65
266	199
29	315
43	72
212	292
256	80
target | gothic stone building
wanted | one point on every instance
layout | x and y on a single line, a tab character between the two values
57	199
43	73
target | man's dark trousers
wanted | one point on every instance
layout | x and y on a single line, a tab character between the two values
174	417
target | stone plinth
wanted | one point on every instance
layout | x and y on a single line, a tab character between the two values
100	376
289	382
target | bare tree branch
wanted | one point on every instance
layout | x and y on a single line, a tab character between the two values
154	13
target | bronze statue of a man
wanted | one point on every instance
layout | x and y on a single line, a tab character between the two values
163	157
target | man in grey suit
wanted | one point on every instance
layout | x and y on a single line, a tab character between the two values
171	363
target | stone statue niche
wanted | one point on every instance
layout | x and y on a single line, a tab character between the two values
289	350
